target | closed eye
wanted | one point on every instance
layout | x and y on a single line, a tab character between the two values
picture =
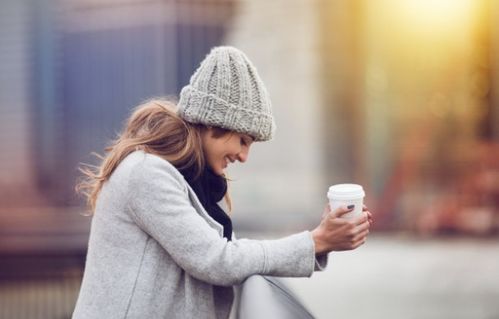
246	140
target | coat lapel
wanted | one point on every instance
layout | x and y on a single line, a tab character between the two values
201	211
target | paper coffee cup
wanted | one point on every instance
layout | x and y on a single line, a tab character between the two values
345	195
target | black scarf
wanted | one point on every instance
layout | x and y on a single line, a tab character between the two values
210	188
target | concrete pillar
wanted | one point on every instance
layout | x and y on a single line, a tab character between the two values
282	184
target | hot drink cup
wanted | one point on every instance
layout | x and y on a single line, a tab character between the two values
346	195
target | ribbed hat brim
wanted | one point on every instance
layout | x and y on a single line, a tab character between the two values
200	107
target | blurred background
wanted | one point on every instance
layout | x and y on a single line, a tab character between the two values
401	96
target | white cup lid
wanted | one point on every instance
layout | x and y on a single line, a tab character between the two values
346	191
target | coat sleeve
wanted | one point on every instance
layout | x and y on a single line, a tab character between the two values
159	204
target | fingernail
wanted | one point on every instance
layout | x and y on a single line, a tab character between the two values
350	206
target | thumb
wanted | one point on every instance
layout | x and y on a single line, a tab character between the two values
342	210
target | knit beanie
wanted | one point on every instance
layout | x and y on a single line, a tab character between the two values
226	91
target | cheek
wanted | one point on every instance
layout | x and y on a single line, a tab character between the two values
215	152
216	149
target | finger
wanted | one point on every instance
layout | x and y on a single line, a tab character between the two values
342	210
361	220
362	227
361	236
359	243
364	208
370	217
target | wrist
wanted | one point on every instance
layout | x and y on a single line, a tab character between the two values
319	244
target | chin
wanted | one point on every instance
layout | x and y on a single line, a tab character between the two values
217	170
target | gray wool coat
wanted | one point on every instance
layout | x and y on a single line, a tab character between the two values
154	252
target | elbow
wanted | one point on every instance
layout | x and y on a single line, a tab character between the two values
227	281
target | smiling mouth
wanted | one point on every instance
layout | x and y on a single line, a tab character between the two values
227	161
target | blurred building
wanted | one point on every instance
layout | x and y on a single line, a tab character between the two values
17	174
430	113
399	96
71	71
397	109
284	184
80	67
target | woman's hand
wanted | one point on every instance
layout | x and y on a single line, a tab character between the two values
335	233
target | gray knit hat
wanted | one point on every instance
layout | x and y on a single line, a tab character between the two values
226	91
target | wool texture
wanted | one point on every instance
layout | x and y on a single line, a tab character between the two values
154	251
226	91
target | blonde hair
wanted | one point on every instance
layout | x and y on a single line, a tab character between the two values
155	128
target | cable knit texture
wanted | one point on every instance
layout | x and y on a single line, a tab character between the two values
226	91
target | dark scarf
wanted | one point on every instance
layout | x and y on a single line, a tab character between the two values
210	188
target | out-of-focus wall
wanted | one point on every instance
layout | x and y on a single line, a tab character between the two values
363	92
17	176
73	71
283	184
342	75
429	114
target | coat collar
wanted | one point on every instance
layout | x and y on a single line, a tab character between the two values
195	201
201	211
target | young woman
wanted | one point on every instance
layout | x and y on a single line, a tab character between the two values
160	245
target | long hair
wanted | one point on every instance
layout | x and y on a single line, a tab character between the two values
155	128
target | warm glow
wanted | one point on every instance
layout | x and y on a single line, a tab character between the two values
435	15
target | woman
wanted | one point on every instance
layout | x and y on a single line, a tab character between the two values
160	246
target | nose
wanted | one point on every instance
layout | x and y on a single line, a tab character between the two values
243	155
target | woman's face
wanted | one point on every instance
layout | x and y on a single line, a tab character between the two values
221	151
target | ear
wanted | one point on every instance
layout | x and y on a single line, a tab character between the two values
207	131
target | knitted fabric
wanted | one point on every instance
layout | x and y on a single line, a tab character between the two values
226	91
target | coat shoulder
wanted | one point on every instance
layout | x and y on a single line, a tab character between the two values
140	163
